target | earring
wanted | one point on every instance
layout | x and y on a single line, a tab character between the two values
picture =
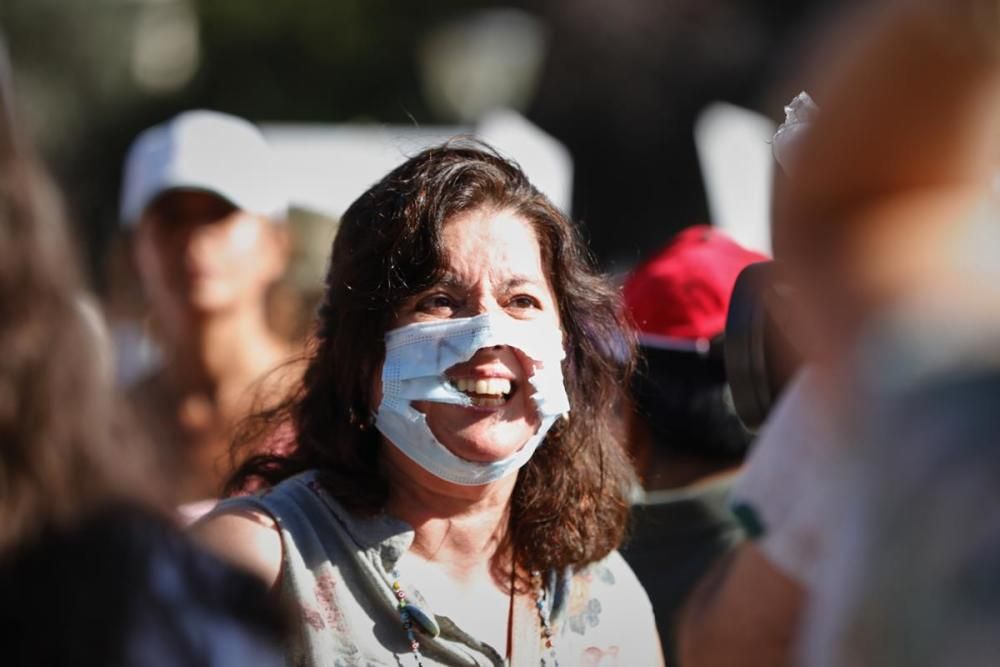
357	422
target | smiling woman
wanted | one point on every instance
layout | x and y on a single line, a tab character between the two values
467	520
493	266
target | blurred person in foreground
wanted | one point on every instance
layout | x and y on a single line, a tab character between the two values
913	578
205	208
92	570
890	236
685	435
459	487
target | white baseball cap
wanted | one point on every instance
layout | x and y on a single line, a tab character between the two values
206	151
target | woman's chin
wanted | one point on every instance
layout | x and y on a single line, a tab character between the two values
487	445
477	434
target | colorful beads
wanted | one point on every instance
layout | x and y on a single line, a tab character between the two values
405	618
543	618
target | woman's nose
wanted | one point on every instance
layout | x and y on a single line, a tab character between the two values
484	306
202	244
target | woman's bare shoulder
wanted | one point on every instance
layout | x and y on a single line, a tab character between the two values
246	538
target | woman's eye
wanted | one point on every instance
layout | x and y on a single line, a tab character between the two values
437	302
524	301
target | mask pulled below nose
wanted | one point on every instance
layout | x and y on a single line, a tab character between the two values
417	357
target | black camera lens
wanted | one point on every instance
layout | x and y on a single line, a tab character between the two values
759	357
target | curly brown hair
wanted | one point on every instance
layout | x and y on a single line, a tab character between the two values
570	503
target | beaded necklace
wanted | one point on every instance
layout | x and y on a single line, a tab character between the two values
410	615
543	617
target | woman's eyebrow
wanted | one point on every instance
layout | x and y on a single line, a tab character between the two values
453	281
519	281
450	280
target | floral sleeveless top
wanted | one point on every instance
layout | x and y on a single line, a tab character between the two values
337	574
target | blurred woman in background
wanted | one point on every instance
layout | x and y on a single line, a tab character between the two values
206	208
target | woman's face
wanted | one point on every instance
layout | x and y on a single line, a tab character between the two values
493	265
198	255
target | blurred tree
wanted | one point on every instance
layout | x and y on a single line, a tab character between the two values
624	85
301	61
621	85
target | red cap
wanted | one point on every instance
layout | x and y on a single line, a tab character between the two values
682	293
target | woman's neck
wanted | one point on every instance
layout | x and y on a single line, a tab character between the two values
455	560
460	527
221	352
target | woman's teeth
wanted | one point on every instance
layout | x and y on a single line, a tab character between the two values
480	402
484	392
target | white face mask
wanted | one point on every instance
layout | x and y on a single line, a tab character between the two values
416	358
